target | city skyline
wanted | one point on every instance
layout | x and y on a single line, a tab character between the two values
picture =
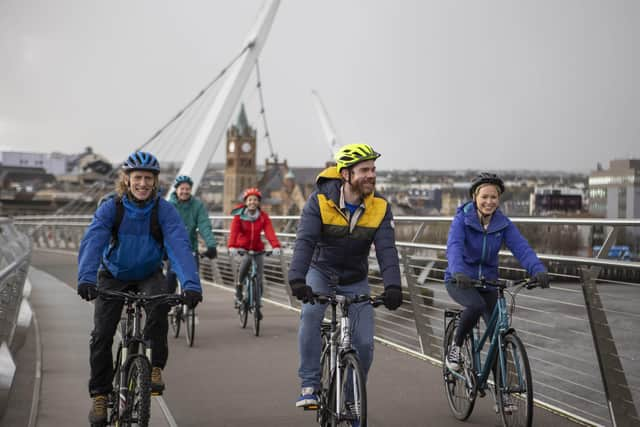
431	85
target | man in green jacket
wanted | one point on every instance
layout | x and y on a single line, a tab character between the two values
195	218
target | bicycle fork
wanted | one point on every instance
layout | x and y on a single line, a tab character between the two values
345	332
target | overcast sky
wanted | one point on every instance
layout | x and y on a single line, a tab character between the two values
540	84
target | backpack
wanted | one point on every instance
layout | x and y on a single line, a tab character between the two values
155	229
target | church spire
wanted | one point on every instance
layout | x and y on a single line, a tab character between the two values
243	124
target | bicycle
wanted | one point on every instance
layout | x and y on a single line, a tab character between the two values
252	294
180	314
506	357
342	376
130	401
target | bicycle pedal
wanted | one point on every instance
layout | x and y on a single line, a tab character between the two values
311	407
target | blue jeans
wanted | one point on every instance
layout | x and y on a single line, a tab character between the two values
309	341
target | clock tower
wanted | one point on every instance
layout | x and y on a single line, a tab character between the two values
240	169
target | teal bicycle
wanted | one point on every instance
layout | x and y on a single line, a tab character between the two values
506	357
251	293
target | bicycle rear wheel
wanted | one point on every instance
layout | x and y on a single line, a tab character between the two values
514	393
138	409
174	320
190	321
460	396
352	407
257	311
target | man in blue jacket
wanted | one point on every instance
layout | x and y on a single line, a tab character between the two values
339	223
122	249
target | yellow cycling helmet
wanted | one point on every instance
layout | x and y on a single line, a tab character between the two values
352	154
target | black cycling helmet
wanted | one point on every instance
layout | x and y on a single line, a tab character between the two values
486	178
141	161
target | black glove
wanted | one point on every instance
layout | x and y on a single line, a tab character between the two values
392	297
542	278
302	291
210	253
191	298
462	281
87	291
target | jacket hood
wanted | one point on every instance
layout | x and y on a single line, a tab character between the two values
469	211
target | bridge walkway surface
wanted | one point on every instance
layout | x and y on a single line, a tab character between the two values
229	377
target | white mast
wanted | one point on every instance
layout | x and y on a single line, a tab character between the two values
215	122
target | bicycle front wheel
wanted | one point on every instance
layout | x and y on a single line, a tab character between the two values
190	320
514	395
324	415
460	395
243	310
174	320
351	407
257	310
138	393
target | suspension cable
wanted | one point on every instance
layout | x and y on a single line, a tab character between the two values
198	96
263	113
76	204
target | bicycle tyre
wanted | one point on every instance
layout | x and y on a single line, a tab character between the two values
116	385
138	411
190	321
349	411
175	320
257	311
243	309
461	400
324	415
519	378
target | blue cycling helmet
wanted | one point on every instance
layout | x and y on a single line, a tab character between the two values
182	179
141	161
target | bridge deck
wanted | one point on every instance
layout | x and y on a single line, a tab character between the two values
229	378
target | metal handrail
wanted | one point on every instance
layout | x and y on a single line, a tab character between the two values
569	382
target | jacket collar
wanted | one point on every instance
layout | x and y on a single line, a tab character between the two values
469	210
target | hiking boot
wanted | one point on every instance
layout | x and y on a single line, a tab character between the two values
308	397
453	358
157	385
98	412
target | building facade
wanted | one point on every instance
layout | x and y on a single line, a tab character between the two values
615	192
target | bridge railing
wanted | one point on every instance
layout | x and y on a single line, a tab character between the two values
582	335
15	313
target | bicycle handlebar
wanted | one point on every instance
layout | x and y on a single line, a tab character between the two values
242	252
528	283
376	301
171	299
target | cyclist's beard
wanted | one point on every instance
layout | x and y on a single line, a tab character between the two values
364	187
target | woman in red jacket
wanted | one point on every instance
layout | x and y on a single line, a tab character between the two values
247	225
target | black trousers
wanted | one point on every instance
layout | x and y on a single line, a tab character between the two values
106	316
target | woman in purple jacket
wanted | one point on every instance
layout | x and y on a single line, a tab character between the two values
477	233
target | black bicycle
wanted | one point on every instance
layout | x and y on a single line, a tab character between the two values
183	314
342	398
251	293
130	401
